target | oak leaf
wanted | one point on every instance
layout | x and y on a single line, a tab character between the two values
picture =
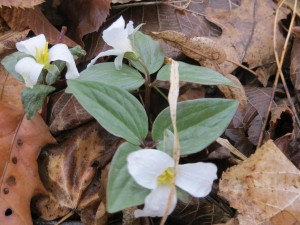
263	186
247	33
21	141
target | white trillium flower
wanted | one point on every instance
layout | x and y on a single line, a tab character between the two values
118	37
37	47
153	169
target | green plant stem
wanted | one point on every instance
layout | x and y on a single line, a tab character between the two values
147	87
161	93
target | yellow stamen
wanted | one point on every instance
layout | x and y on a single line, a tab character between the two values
166	177
42	55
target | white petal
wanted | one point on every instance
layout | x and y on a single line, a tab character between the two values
119	23
62	52
117	37
156	203
118	62
146	165
106	53
30	45
30	70
196	178
129	27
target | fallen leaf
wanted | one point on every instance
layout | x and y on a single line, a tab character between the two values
247	33
263	186
198	48
21	19
295	65
9	39
85	16
71	170
65	112
10	90
20	3
235	93
20	141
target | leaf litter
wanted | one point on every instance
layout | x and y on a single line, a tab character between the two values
264	189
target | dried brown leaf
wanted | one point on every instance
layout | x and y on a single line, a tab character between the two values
295	65
198	48
21	19
20	141
263	186
9	39
20	3
85	16
233	92
65	112
10	90
71	173
247	33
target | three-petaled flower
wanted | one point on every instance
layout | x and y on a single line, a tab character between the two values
119	37
153	169
31	67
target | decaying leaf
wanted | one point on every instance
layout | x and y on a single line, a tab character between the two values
263	186
20	141
295	65
198	48
85	16
65	112
20	3
9	39
21	19
71	171
10	90
235	93
247	33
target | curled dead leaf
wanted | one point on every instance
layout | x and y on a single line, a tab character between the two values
197	48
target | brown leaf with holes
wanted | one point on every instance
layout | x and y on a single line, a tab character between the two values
21	141
71	171
197	48
85	16
65	112
10	90
20	3
9	39
263	187
21	19
247	33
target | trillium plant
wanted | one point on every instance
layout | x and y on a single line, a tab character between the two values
145	169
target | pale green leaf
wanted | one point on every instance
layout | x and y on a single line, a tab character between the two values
114	108
195	74
33	98
9	62
149	51
199	122
122	191
126	78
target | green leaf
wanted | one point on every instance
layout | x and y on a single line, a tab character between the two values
77	52
166	145
195	74
199	122
114	108
9	62
149	51
52	75
122	191
126	78
33	98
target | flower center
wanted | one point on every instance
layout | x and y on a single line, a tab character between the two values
166	177
42	55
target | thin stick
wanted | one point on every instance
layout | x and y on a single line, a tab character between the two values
279	72
65	217
226	144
